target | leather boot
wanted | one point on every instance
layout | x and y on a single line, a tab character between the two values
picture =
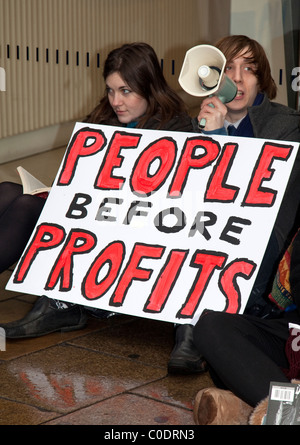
215	406
45	318
185	358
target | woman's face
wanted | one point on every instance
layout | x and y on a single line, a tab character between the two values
128	105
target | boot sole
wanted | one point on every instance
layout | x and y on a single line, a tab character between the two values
41	334
185	368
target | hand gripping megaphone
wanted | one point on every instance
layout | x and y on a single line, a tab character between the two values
202	74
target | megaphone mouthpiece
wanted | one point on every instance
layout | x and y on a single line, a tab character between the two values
208	76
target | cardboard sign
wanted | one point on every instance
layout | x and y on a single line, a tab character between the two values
156	224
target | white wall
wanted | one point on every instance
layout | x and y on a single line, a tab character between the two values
262	21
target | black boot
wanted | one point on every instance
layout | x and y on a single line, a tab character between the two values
46	316
185	358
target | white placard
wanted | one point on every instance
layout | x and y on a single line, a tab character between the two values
156	224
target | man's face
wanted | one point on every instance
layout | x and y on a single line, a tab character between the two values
243	72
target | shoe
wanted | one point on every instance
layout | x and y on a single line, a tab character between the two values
45	318
99	313
185	358
215	406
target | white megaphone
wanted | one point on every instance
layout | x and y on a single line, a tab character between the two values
202	74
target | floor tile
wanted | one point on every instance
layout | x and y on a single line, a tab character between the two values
12	413
147	341
6	294
177	390
127	409
13	309
64	378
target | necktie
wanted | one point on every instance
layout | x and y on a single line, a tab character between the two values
231	130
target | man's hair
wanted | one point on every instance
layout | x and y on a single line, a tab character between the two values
232	46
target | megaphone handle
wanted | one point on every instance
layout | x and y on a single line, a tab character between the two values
202	123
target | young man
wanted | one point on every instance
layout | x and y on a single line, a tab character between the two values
246	353
251	114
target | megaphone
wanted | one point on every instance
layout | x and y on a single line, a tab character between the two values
202	74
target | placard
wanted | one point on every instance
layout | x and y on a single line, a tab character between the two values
156	224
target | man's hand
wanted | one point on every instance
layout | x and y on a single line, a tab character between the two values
213	115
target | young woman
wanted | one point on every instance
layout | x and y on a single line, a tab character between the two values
136	95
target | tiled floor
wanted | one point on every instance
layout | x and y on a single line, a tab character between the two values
114	372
